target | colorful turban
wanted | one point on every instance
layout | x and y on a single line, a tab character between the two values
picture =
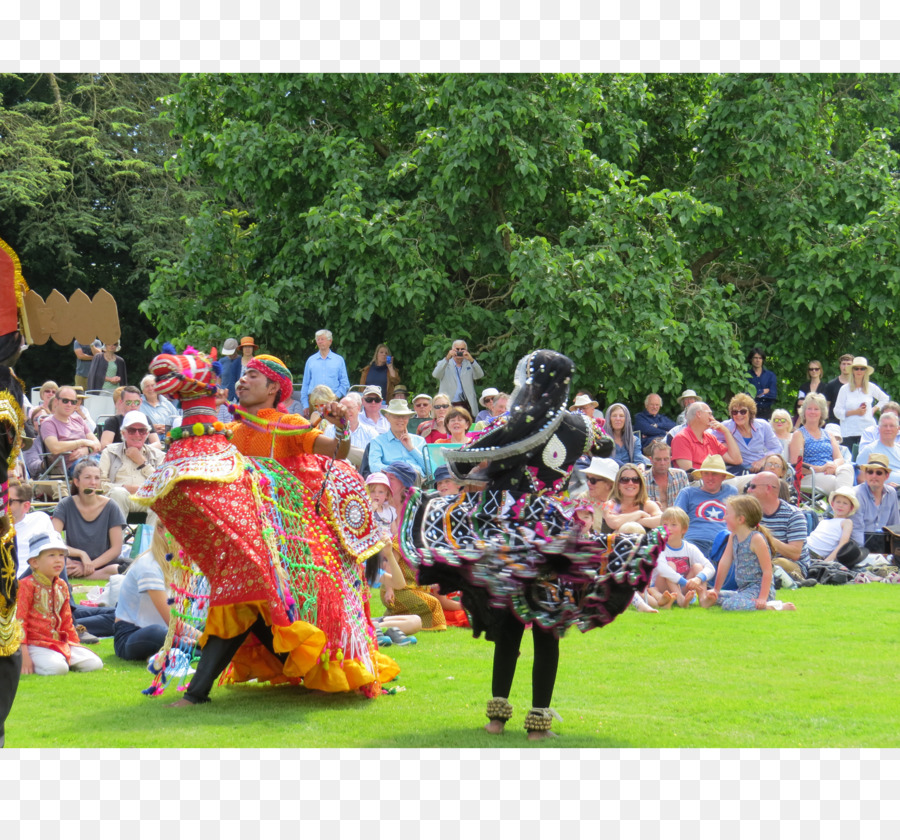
274	369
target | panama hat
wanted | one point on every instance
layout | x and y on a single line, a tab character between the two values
398	408
712	464
685	394
860	361
487	392
583	400
602	468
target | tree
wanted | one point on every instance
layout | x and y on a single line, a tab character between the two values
805	170
84	195
421	208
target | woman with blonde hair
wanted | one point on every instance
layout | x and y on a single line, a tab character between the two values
435	430
629	501
755	438
857	402
381	371
783	425
819	451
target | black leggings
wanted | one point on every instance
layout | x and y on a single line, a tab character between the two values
10	668
506	653
218	652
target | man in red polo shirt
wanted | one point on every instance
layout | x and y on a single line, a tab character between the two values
696	441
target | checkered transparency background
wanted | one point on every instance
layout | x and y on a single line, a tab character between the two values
545	793
450	35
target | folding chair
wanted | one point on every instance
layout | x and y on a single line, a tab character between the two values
100	406
809	499
434	458
52	483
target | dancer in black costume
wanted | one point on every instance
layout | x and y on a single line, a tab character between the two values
510	549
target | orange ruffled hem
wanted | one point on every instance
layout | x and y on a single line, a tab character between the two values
303	642
349	674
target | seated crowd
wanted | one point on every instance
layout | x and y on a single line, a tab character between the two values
726	491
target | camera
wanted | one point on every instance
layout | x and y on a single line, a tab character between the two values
460	352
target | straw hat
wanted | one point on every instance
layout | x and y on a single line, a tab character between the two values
877	461
487	392
583	400
247	341
712	464
685	395
398	408
860	361
846	493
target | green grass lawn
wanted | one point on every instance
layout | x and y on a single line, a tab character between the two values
825	676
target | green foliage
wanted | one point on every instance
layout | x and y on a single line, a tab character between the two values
84	195
415	209
805	171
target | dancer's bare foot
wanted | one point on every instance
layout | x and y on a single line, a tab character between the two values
709	598
180	704
666	600
541	735
494	727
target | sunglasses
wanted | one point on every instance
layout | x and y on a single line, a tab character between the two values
736	411
487	399
421	405
66	401
439	407
629	479
132	402
373	399
17	501
814	370
877	472
781	420
858	368
595	480
137	431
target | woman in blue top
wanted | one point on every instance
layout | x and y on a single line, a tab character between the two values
818	449
764	382
627	441
755	438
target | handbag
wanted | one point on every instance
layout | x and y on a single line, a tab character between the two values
891	534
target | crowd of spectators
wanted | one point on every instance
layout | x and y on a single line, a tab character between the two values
839	441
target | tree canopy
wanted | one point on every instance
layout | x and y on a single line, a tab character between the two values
85	198
652	227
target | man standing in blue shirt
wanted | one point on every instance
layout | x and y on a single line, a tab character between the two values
324	368
764	382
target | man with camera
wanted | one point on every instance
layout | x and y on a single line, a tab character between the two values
457	373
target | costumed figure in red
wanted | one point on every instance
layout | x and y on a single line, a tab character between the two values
283	600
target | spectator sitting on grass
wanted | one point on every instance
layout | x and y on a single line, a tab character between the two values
664	482
50	646
748	550
786	526
142	611
679	564
705	505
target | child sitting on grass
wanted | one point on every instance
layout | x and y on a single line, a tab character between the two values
51	644
641	602
831	535
749	549
678	564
